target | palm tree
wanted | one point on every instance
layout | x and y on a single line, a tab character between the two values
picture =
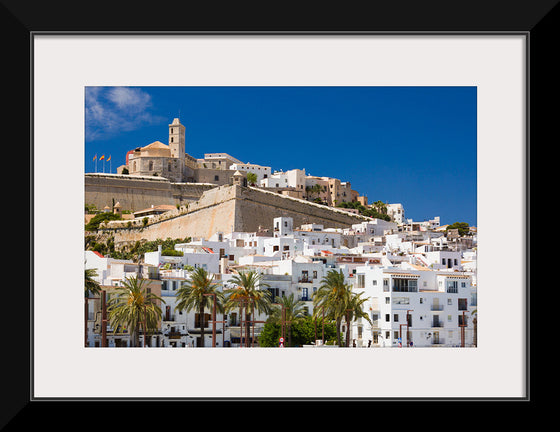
90	285
252	178
194	294
294	311
355	310
380	206
133	306
312	190
247	294
333	298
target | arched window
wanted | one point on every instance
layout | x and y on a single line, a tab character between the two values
151	166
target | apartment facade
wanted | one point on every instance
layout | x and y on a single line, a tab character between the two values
412	308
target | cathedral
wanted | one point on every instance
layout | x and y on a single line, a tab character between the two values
171	162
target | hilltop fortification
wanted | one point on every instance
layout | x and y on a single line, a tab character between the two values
139	192
228	208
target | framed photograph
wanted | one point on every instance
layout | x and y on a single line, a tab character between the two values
493	65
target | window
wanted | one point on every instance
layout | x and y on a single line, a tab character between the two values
374	282
216	178
197	320
360	282
401	300
452	287
405	285
388	317
387	300
151	166
462	304
396	317
449	301
314	274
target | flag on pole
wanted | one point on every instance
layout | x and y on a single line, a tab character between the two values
95	157
109	158
102	157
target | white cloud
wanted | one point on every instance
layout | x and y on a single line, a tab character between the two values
110	110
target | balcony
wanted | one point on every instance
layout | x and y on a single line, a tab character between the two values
436	308
437	324
305	280
174	335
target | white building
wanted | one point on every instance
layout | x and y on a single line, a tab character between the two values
262	172
375	227
312	237
193	255
425	308
282	179
396	211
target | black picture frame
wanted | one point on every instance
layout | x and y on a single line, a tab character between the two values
20	20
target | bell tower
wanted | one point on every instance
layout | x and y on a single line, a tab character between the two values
177	140
177	148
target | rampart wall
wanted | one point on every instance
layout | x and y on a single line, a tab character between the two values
138	192
226	208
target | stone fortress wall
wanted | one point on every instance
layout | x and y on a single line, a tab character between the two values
226	208
136	193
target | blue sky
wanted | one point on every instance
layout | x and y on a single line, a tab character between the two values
410	145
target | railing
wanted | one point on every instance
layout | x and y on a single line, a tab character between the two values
437	324
174	335
436	307
305	280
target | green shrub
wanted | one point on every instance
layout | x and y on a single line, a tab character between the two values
171	252
93	224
